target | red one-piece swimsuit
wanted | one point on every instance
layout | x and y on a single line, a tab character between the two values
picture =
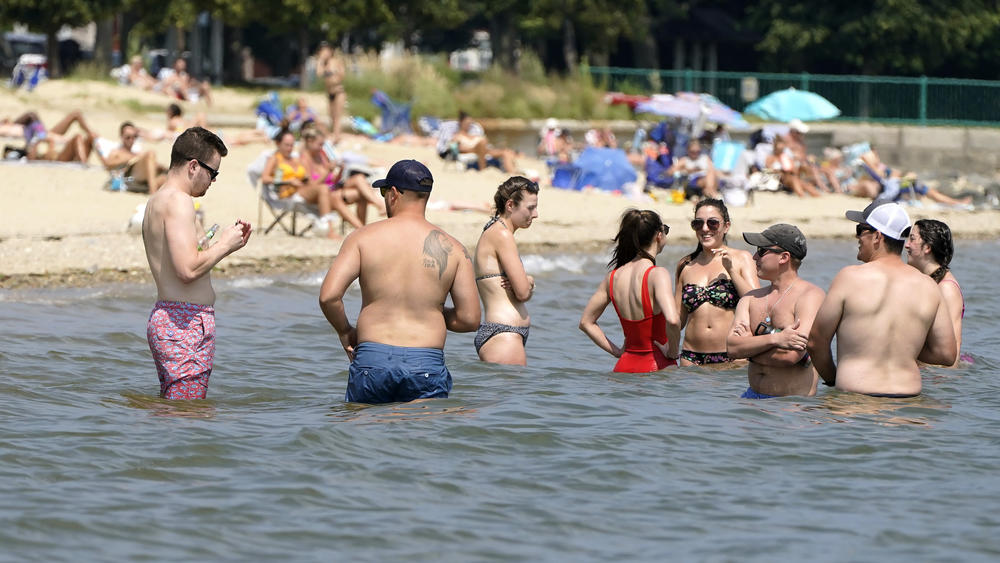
640	355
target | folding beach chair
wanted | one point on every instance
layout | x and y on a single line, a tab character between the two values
395	116
280	208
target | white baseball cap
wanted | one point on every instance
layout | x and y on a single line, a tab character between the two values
797	125
890	219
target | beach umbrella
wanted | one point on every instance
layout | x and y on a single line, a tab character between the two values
692	106
786	105
603	168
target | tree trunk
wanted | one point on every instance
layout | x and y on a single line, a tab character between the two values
52	54
304	74
570	54
645	46
103	41
503	39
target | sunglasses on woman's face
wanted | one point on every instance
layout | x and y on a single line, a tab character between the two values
713	224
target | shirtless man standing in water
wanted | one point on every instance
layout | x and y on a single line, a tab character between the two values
771	325
886	315
406	267
181	328
330	69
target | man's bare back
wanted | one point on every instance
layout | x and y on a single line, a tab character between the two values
887	312
886	315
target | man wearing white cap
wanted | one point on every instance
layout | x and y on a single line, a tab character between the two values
886	319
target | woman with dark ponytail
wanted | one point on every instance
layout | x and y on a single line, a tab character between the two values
503	284
710	281
642	295
929	249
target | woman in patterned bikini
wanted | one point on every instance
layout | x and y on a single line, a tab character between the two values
710	281
503	285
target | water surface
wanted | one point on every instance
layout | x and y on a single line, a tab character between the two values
562	460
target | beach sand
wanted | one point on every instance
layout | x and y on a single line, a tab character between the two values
59	227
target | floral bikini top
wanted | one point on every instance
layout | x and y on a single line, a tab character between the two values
721	293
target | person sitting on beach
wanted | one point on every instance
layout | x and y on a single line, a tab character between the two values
710	282
886	315
642	296
181	327
783	160
697	172
601	138
503	285
289	176
795	141
177	83
75	148
137	75
844	178
407	267
342	192
299	115
896	185
140	166
468	141
929	248
771	324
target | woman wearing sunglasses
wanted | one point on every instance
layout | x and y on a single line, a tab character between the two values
503	284
290	177
641	294
710	281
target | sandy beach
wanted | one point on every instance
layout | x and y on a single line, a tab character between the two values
60	227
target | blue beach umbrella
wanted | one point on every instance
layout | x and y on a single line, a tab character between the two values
786	105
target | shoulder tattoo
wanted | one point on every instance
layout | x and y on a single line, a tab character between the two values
437	247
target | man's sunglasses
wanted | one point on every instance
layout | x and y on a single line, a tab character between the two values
384	190
762	250
665	229
863	228
713	224
211	171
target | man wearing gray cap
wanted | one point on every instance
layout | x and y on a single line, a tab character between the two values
772	323
407	267
885	314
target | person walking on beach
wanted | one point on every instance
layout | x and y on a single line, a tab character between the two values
641	294
503	285
886	315
929	249
710	281
181	327
331	70
407	267
771	324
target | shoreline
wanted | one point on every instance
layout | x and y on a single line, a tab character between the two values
59	227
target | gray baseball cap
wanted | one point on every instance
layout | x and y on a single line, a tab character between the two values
787	237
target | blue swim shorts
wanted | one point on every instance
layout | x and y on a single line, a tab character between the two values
751	394
381	373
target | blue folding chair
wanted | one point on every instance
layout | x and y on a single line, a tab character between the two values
395	116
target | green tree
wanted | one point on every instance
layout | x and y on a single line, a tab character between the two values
49	16
871	37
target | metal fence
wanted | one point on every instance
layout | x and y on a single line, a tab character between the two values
923	100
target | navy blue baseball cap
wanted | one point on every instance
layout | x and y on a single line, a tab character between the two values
407	175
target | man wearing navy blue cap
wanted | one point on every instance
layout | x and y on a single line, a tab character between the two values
407	267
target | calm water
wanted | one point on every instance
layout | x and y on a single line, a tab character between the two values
559	461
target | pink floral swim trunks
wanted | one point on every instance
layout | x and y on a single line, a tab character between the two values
182	339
